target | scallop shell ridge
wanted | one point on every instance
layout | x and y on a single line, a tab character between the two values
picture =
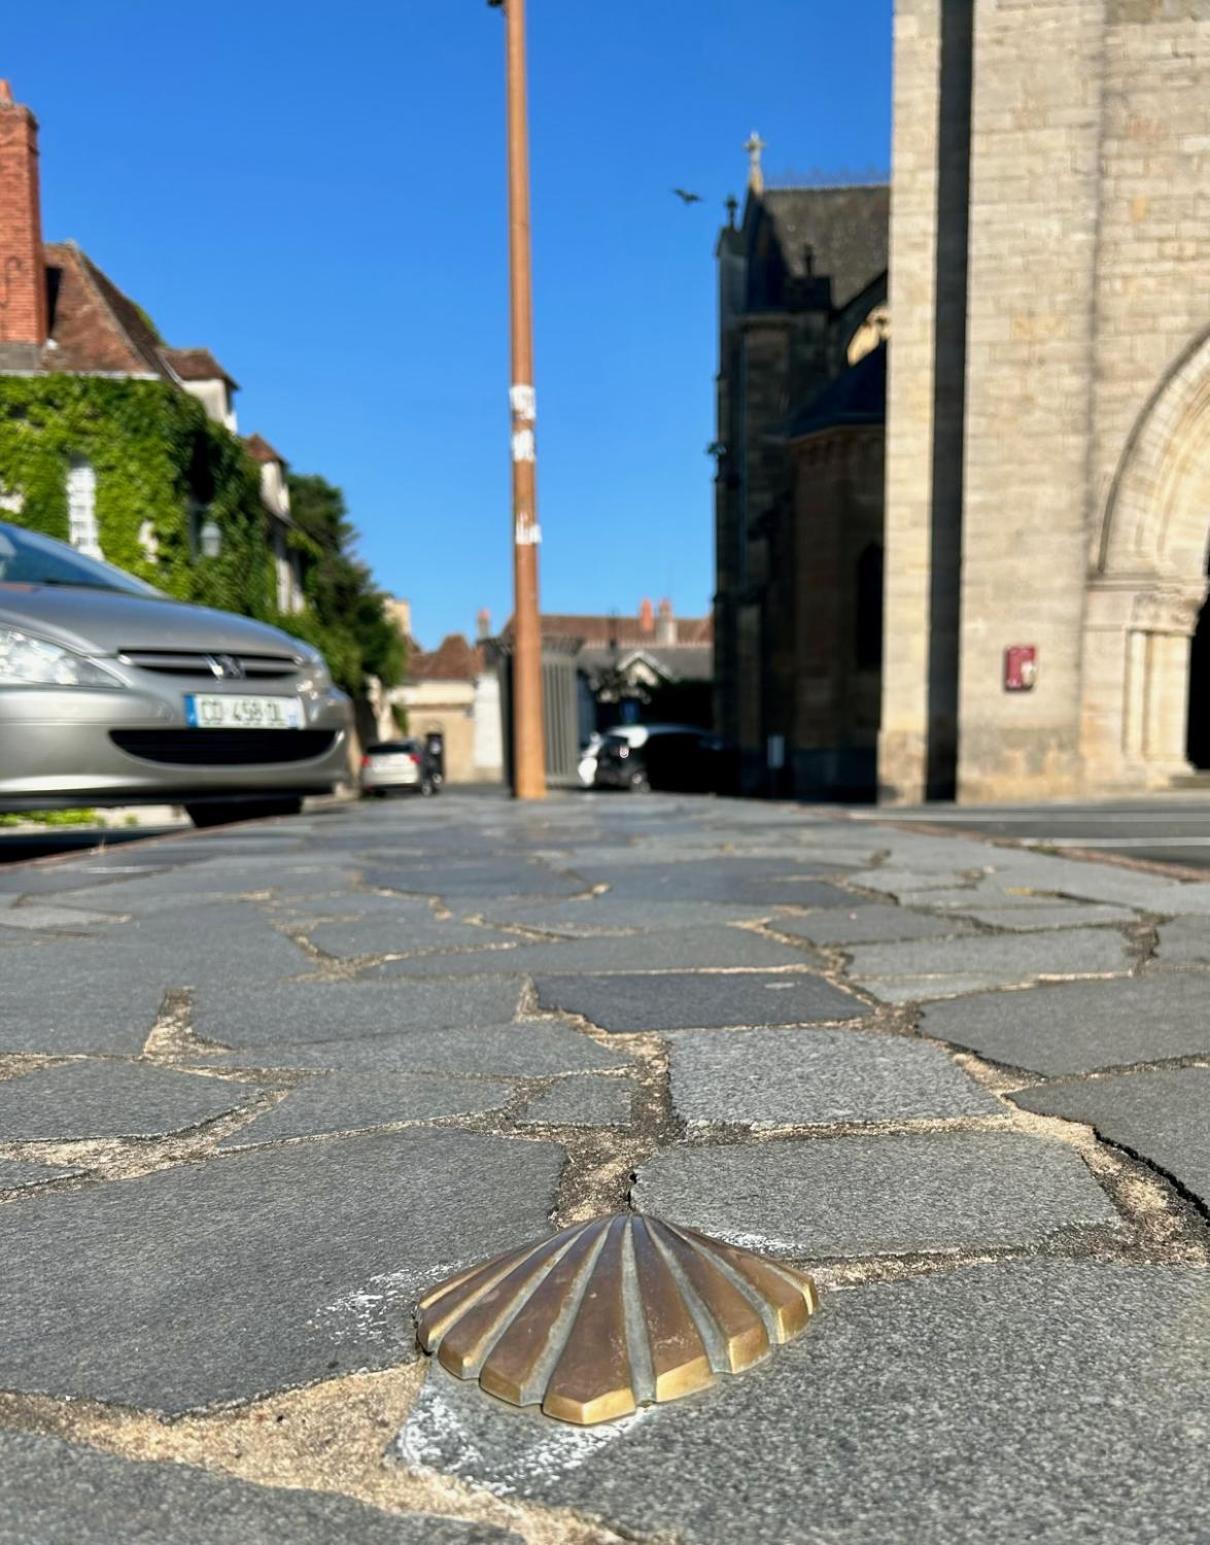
609	1315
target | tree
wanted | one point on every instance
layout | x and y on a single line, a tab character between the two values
353	628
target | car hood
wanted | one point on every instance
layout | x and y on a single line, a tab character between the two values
104	622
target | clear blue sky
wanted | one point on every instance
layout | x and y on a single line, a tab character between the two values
316	193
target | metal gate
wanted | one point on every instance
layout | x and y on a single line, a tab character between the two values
560	708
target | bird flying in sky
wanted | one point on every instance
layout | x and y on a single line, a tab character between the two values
686	197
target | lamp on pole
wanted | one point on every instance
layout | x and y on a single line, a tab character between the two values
529	756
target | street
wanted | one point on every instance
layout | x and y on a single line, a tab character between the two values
263	1087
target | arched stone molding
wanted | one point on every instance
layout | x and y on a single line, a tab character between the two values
1148	584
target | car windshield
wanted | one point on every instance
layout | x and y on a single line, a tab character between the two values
27	558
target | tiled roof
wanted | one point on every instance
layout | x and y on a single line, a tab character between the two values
260	450
847	230
94	328
453	660
197	365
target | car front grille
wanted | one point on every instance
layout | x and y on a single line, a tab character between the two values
198	662
223	748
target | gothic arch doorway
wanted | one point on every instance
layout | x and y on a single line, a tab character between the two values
1147	588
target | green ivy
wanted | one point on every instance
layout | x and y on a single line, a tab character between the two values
157	458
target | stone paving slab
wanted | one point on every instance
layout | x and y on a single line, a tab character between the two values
1079	1027
258	1270
1060	914
1185	942
868	924
1163	1116
56	1493
527	1049
762	882
381	934
885	1195
675	1000
610	914
92	997
657	950
582	1101
1030	1400
91	1099
259	1014
810	1077
353	1102
15	1174
903	973
502	877
30	919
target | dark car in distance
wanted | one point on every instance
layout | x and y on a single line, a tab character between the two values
675	757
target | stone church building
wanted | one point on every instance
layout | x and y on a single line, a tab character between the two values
987	578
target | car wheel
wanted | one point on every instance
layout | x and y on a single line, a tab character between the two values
224	812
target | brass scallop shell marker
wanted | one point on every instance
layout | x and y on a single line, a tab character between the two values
609	1315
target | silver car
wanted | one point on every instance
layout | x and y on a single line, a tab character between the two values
397	767
111	693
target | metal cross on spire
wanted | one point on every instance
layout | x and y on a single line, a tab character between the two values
756	178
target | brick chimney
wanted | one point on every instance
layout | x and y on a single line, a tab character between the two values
22	266
665	632
483	624
646	617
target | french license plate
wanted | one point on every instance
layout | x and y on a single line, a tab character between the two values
226	711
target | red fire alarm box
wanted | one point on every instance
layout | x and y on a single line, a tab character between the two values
1020	667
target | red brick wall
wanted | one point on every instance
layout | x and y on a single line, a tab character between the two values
22	272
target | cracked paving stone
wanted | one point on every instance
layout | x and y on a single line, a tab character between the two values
683	1000
507	877
255	1271
527	1049
885	1195
1060	914
608	914
1021	1401
384	935
59	1493
761	882
1185	942
18	1173
226	941
1159	1115
867	924
582	1102
348	1102
672	949
259	1014
53	919
93	997
78	1100
904	973
1080	1027
808	1077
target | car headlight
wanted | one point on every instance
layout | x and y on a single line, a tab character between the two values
37	662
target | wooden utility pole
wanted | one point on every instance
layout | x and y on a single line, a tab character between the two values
529	752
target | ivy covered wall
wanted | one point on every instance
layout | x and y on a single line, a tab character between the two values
158	458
